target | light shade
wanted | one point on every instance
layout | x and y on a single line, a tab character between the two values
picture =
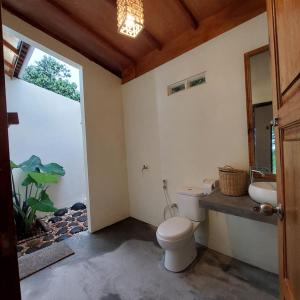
130	17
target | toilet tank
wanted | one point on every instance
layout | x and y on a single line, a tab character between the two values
188	203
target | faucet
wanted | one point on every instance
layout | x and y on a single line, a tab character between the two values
252	171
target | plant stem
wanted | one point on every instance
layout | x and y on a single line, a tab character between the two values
30	190
36	192
14	188
26	192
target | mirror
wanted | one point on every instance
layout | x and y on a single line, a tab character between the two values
261	137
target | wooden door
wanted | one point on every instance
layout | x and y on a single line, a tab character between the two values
284	29
9	276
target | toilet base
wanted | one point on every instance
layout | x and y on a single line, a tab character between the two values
177	260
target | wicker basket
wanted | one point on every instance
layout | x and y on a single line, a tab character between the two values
233	182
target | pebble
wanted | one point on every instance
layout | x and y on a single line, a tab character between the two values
78	206
19	248
55	219
82	218
62	238
73	224
76	230
77	214
32	249
62	230
61	212
46	244
61	224
48	237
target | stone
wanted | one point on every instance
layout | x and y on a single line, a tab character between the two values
48	237
33	243
32	249
19	248
69	219
76	230
61	224
46	244
77	214
85	224
73	224
62	231
61	212
62	238
55	219
82	218
78	206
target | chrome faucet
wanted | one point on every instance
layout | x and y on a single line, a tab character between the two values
252	171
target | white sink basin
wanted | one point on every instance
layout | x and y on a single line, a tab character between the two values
263	192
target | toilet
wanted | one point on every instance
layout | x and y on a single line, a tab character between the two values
176	234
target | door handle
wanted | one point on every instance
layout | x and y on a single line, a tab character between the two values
275	122
267	209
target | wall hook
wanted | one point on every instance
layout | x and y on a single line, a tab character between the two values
145	167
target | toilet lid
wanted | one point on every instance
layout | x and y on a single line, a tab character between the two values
175	228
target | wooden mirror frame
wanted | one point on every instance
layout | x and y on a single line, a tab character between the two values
247	57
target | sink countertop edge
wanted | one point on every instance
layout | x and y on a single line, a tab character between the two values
241	206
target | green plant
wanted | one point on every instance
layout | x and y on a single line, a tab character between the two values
48	73
34	197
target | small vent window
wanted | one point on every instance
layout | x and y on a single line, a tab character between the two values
196	80
176	87
187	83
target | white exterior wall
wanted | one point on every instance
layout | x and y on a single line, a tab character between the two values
105	156
50	127
185	137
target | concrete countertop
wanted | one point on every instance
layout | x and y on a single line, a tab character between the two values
237	206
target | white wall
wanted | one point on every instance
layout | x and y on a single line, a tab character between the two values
186	136
104	134
50	127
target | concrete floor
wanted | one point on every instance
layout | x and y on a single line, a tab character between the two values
124	261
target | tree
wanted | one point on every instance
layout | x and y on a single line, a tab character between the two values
48	73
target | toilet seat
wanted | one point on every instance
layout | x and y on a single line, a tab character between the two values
175	229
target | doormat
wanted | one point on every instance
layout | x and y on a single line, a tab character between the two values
34	262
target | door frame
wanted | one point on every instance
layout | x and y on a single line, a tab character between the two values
9	273
276	95
285	121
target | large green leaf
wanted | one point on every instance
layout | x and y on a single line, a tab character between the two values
13	165
43	178
53	168
31	165
28	180
43	204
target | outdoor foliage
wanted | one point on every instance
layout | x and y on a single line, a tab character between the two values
37	179
48	73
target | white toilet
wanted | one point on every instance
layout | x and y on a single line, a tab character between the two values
176	234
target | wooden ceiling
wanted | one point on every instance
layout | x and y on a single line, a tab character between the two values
172	27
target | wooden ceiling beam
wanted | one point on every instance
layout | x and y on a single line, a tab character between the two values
147	34
188	14
60	38
8	64
24	48
153	40
12	118
94	33
8	73
10	47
